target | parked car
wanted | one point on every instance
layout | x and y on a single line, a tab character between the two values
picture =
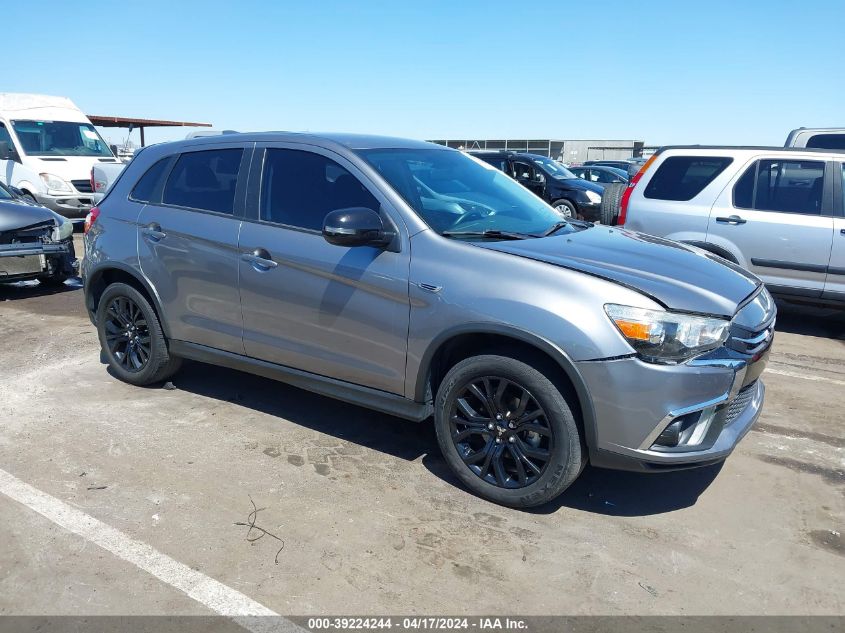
47	149
820	138
629	165
415	280
776	212
35	242
601	174
554	183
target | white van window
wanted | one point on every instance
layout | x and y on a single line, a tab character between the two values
5	137
59	138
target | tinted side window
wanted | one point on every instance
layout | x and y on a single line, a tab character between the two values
145	187
299	188
5	137
684	177
827	141
784	186
204	180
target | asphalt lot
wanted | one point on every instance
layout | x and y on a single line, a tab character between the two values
371	520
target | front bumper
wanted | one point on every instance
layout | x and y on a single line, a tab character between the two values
70	205
20	262
636	402
591	211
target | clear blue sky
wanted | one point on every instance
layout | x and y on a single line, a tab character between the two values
662	72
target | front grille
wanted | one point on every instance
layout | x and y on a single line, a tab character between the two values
739	404
82	186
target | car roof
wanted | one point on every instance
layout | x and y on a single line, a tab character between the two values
756	148
347	140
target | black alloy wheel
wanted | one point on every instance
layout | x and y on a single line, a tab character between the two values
501	432
127	334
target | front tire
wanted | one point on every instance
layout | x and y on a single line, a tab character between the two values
131	337
566	209
507	432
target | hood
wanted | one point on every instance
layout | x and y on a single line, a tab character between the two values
680	277
14	215
580	183
70	167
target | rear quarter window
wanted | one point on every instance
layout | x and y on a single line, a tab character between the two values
684	177
145	188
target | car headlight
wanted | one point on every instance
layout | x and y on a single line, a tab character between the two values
54	183
659	336
63	231
592	196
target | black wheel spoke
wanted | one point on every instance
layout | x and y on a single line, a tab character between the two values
482	397
523	402
523	458
500	391
468	412
460	435
477	456
520	469
530	417
499	466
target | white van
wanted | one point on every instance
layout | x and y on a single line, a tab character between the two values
47	150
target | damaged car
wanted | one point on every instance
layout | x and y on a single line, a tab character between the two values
35	242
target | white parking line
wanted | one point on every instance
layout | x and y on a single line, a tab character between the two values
205	590
791	374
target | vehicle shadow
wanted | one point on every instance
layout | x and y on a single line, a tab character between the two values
599	491
811	320
32	289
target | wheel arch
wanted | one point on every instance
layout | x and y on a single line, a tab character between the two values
99	279
461	342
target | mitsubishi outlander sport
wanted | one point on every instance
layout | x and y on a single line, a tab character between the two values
416	280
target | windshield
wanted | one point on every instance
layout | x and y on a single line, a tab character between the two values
60	138
554	169
455	193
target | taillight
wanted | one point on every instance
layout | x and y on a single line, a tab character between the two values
626	195
92	216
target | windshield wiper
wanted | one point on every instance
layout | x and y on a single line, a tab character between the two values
554	228
504	235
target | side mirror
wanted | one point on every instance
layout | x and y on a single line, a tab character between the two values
356	226
7	152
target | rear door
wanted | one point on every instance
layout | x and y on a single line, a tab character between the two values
834	287
188	244
776	217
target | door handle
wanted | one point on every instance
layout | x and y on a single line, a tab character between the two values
154	232
841	231
732	219
260	260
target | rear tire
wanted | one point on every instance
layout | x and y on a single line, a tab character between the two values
539	451
610	202
131	337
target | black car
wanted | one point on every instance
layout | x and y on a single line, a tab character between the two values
35	242
600	174
573	197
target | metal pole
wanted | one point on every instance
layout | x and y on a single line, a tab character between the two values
142	136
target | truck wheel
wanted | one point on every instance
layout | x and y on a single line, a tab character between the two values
131	337
507	432
565	208
611	201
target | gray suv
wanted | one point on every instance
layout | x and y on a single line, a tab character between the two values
415	280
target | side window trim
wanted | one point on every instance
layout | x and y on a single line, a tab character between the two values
827	207
238	204
253	201
155	197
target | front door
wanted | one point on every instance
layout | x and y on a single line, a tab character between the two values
776	214
330	310
529	177
188	246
